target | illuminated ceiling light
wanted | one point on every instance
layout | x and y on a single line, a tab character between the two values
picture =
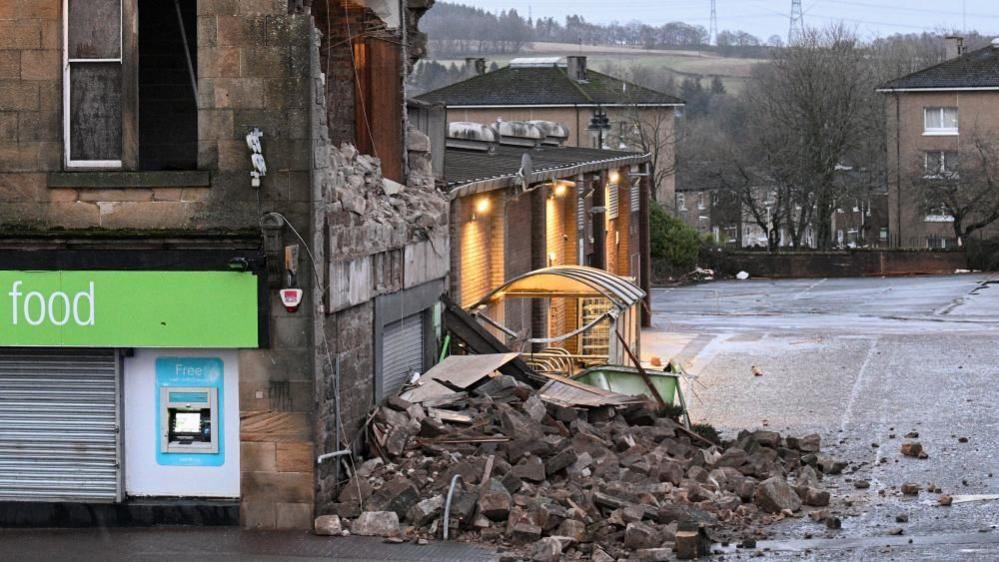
561	189
482	206
614	176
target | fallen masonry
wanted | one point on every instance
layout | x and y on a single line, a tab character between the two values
543	480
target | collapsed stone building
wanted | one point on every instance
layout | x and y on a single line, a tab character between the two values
170	177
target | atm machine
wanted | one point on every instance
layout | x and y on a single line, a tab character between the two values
189	420
189	427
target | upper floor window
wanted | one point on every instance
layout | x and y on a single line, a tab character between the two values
940	121
93	81
681	201
130	84
942	164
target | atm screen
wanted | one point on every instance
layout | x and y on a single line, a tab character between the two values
187	422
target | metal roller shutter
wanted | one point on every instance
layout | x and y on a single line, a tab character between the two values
402	353
59	426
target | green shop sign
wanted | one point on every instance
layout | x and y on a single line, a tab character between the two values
211	309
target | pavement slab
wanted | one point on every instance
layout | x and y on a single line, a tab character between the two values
191	543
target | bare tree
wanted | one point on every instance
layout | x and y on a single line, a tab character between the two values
813	107
963	186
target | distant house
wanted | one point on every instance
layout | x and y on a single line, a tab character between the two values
860	221
936	117
565	91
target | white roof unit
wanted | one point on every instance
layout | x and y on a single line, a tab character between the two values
534	62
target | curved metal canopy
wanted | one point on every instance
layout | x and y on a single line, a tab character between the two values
568	281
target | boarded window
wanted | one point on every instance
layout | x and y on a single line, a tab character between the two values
378	114
94	83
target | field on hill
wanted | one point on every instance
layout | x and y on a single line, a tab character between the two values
621	60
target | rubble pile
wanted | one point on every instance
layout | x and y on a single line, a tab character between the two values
551	482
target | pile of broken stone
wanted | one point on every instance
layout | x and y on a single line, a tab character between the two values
548	482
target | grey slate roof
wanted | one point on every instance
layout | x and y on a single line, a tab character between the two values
464	166
977	69
548	85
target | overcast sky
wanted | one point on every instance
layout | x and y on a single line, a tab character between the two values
767	17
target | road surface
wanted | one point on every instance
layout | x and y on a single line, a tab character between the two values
863	362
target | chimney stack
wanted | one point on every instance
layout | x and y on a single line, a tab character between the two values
577	68
475	66
955	47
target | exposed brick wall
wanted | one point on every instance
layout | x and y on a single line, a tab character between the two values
858	263
350	335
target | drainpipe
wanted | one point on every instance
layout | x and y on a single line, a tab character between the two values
645	244
539	257
599	216
898	173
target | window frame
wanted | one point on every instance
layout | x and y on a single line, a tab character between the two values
681	201
941	131
67	63
943	169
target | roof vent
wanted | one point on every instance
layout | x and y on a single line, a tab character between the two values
556	134
995	43
472	136
520	133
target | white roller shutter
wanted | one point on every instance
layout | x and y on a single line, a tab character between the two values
402	353
59	426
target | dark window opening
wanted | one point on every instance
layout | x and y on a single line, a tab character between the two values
168	108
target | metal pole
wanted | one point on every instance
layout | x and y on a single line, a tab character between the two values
447	504
187	51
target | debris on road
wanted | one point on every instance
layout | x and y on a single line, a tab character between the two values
910	489
604	478
757	372
742	275
945	500
914	449
965	498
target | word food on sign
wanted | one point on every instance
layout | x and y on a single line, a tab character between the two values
58	308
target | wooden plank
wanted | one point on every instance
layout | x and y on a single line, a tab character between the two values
468	330
95	29
96	111
429	389
463	371
453	417
385	104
